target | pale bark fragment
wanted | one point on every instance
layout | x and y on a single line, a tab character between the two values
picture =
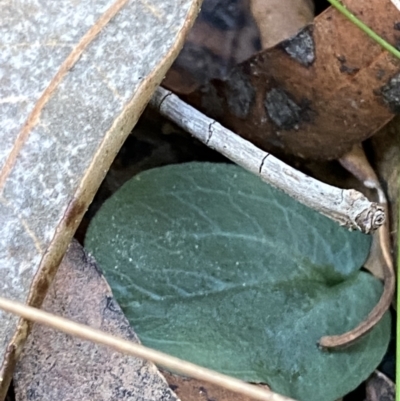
348	207
55	366
74	78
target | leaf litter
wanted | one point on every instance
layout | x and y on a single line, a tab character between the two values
180	156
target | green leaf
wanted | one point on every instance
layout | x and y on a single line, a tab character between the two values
216	267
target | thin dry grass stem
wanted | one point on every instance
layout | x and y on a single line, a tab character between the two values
138	350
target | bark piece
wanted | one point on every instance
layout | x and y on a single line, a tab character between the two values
74	78
317	93
56	366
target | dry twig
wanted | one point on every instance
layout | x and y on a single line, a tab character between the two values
348	207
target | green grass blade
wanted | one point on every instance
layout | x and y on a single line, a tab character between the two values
373	35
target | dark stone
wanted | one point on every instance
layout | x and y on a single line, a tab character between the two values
239	93
282	110
301	47
391	93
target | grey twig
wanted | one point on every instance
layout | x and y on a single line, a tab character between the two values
347	207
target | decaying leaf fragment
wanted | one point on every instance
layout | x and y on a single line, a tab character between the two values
56	366
380	388
74	78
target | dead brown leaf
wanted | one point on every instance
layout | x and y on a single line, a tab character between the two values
316	94
56	366
357	163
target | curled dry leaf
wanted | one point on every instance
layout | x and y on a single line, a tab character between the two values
380	261
357	163
56	366
75	78
316	94
384	151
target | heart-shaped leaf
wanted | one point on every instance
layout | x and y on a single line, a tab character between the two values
214	266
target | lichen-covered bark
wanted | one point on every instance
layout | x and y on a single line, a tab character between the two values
74	78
